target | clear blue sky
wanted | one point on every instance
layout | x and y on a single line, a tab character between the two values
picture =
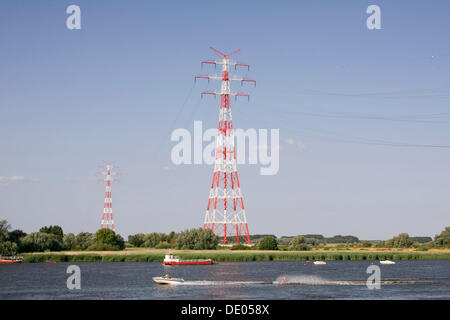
366	105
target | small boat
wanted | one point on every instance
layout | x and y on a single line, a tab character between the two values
319	263
168	280
50	261
387	262
170	260
11	259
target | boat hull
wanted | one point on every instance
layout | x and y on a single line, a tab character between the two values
172	281
180	263
387	262
10	261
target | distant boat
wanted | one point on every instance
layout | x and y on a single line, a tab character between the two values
168	280
170	260
11	259
387	262
319	263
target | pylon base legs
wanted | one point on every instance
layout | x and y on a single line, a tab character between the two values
231	233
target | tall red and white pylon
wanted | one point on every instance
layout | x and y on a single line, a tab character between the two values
225	213
107	216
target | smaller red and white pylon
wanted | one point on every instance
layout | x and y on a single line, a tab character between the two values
107	216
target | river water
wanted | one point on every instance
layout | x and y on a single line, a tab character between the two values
229	280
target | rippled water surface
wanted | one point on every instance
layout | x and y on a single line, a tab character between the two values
240	280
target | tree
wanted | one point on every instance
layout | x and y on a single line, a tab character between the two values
186	239
106	239
197	239
69	241
443	239
39	241
120	242
55	230
421	239
152	239
342	239
15	236
401	241
298	243
172	237
207	240
137	240
105	236
84	240
315	236
4	230
268	243
8	248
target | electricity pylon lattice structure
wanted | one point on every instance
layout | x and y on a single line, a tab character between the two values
109	176
225	213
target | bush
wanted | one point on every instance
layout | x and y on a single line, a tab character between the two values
39	242
197	239
4	230
69	241
106	239
57	231
16	235
298	244
8	248
137	240
268	243
84	240
163	245
401	241
152	239
342	239
443	239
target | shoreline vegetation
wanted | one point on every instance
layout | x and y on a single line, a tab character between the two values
157	255
50	243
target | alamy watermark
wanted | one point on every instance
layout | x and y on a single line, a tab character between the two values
263	147
373	22
74	280
74	20
374	280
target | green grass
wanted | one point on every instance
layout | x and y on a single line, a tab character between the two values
238	256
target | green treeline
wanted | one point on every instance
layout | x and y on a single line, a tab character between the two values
314	241
193	239
52	238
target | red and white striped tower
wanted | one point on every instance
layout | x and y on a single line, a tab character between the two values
107	216
225	213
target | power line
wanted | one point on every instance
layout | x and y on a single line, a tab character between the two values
359	117
442	92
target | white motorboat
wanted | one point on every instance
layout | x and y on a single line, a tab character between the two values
387	262
168	280
319	263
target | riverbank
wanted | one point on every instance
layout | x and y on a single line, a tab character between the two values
157	255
